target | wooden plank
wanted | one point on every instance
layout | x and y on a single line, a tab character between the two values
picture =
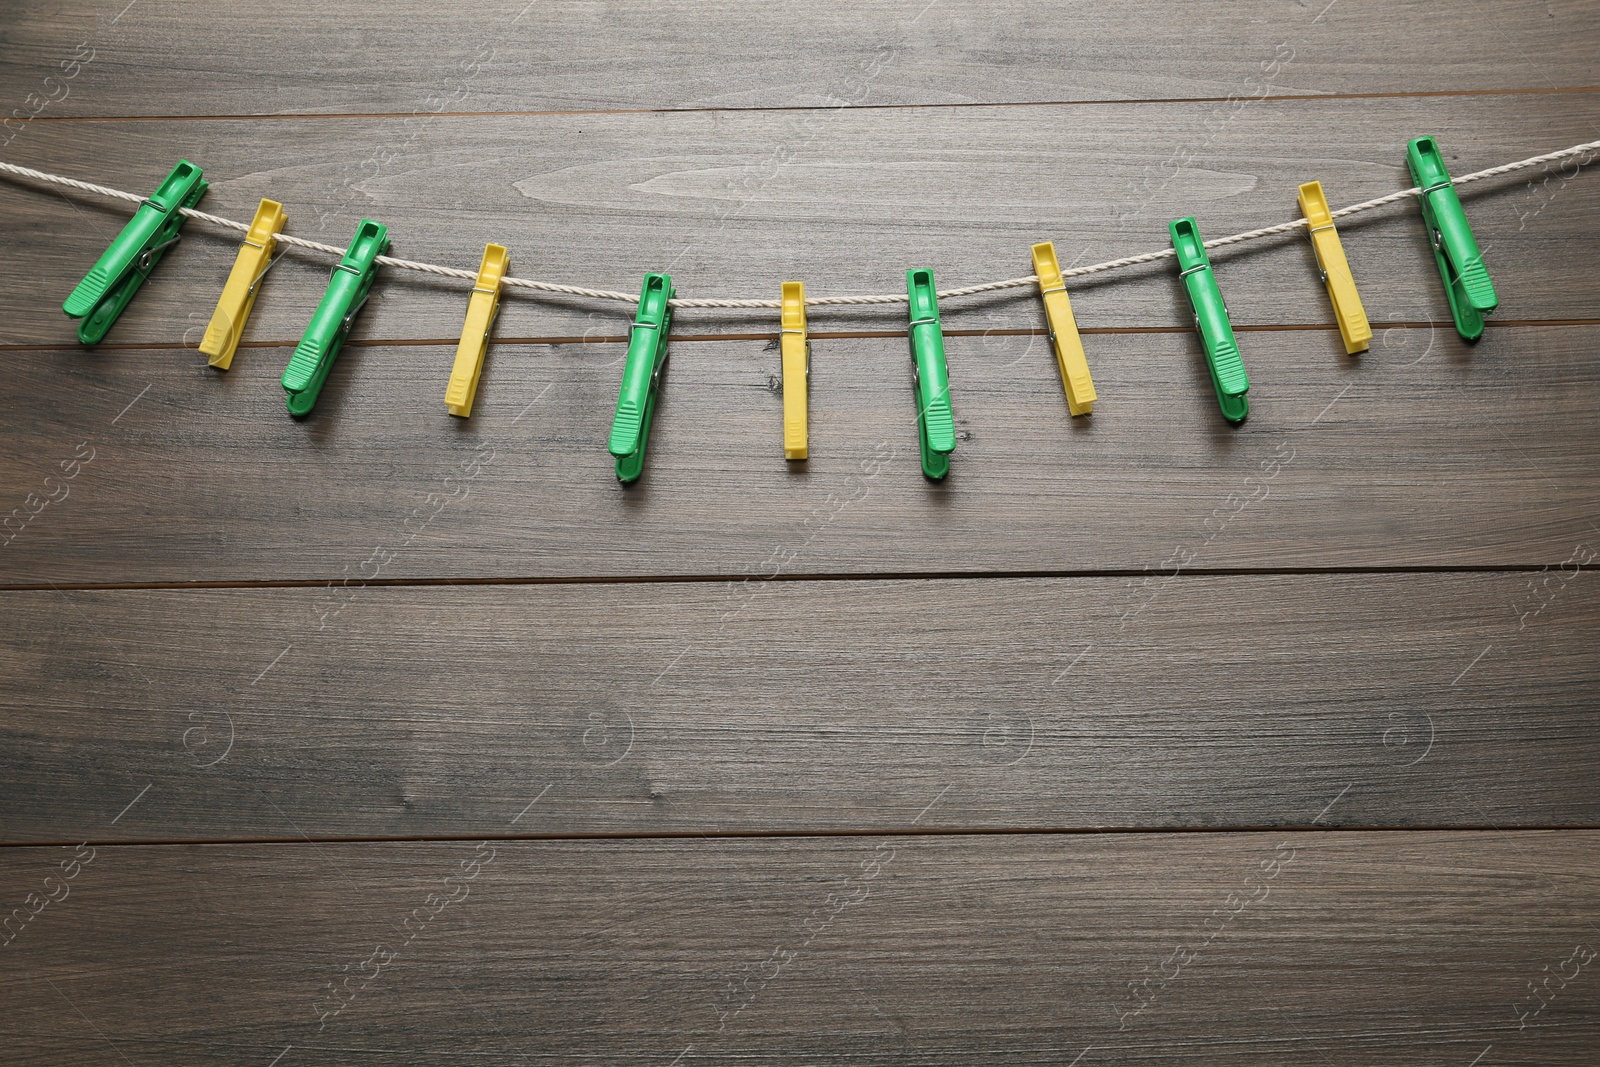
598	200
1257	949
1420	700
189	58
1423	453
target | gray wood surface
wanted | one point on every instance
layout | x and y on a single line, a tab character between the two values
816	764
1267	948
733	204
1423	700
1423	453
179	57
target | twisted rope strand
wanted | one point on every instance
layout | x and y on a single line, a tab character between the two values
822	301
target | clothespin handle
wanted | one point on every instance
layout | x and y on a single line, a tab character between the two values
1348	313
1211	319
1063	328
238	297
1466	278
122	268
936	427
348	287
795	352
641	377
482	308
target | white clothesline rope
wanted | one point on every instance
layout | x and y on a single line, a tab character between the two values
824	301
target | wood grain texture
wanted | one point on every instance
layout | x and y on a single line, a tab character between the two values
1412	948
1140	740
1421	453
286	57
733	204
788	706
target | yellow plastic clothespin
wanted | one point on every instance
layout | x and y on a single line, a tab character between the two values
796	370
482	307
1063	331
239	293
1335	269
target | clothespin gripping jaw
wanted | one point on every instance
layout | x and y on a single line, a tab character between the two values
641	377
111	283
1211	320
936	427
795	351
238	297
483	307
1455	250
348	288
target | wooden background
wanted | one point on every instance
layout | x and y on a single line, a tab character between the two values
386	737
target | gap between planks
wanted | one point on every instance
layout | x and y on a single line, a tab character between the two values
582	112
1111	574
797	835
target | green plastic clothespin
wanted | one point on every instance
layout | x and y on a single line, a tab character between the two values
1211	320
641	377
348	287
936	424
122	268
1455	250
